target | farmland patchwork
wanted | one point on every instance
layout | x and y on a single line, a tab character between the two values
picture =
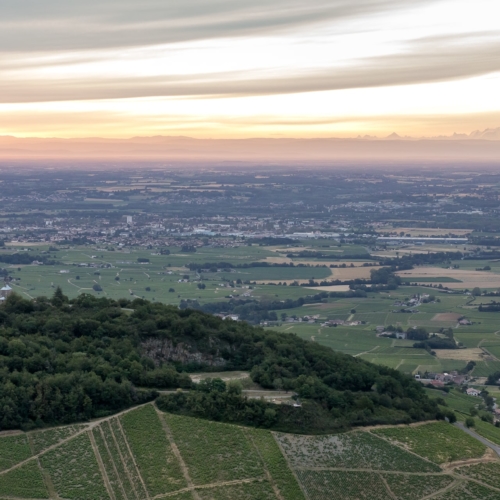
145	454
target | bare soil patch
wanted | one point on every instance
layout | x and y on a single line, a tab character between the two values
332	288
469	279
472	354
446	317
351	273
237	375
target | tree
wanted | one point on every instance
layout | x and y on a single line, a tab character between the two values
353	311
476	291
469	422
97	288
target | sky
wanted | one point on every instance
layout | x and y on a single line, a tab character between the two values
241	68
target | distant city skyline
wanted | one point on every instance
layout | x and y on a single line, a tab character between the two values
239	69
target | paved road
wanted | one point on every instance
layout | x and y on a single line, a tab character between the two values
475	435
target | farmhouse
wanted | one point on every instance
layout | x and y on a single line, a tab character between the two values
473	392
5	291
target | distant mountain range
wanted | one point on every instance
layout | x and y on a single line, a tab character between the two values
482	146
489	134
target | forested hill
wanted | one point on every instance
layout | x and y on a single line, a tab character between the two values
67	360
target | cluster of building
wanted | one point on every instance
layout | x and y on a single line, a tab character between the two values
440	379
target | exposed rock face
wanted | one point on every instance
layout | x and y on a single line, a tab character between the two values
163	350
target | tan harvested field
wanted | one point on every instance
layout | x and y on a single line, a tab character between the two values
350	273
277	260
22	244
289	250
472	354
469	279
446	317
333	288
344	273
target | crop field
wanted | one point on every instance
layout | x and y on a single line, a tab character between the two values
343	485
84	481
165	278
437	442
42	440
414	486
200	442
469	490
142	454
13	449
355	450
145	454
488	473
465	278
356	465
153	453
24	482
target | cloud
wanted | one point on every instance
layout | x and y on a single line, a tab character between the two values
61	25
424	60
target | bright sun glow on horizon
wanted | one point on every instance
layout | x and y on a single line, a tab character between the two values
327	69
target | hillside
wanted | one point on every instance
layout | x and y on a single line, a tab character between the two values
63	361
144	454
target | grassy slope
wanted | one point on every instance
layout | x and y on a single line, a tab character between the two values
143	453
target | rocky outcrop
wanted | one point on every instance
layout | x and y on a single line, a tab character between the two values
162	350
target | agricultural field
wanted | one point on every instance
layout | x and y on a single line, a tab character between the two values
437	442
141	273
143	453
454	278
370	465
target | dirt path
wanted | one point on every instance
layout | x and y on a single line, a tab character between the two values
125	468
104	474
366	352
208	486
351	469
392	495
48	482
451	486
489	456
117	474
276	490
177	453
133	458
87	427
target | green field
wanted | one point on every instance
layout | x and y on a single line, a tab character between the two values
144	454
434	279
166	279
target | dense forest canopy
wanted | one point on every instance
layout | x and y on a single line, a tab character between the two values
67	360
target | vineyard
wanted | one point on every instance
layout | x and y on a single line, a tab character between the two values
145	454
438	442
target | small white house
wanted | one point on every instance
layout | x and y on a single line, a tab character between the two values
473	392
